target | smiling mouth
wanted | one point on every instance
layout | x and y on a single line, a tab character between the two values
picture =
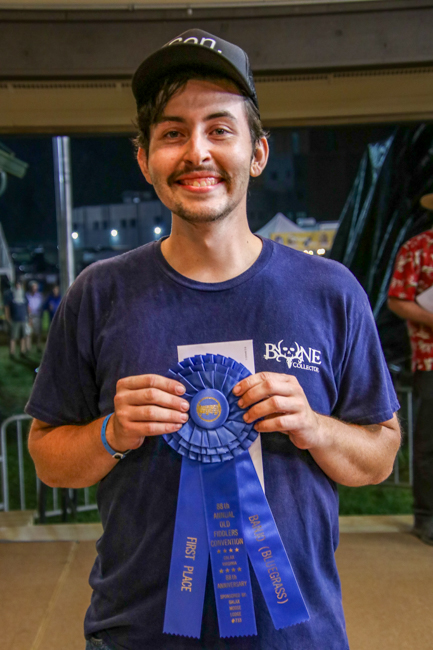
199	182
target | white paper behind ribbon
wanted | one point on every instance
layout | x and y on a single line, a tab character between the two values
242	352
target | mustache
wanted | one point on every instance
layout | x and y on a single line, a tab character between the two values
188	169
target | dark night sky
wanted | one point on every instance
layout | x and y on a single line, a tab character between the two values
102	168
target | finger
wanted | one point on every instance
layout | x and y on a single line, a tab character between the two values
144	429
272	406
156	396
283	422
152	413
152	381
246	384
270	384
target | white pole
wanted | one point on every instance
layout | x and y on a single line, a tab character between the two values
63	185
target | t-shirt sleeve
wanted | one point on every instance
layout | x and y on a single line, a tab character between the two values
65	390
406	274
366	393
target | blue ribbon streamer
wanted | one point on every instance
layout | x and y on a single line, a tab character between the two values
266	550
229	560
231	516
189	559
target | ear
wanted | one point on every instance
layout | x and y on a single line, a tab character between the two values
260	157
142	162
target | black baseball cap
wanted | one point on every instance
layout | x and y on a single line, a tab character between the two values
191	49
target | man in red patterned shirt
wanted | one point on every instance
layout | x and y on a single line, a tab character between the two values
413	275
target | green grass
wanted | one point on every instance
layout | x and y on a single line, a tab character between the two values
375	500
16	380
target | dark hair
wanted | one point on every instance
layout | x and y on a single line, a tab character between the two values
150	111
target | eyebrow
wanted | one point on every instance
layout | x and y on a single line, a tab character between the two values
212	116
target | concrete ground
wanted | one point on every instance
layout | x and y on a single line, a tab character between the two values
386	574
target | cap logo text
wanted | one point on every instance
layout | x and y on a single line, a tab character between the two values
205	42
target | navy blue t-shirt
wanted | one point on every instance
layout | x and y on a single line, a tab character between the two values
126	316
17	302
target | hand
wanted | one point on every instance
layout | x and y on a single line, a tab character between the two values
145	405
281	401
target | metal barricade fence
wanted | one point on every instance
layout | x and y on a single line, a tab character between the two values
25	473
402	474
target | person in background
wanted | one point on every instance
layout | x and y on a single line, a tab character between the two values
52	302
17	315
413	275
36	301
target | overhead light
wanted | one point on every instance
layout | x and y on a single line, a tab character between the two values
114	233
74	235
157	230
321	251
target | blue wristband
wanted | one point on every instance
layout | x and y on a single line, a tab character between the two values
118	455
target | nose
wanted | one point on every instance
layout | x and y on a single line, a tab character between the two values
197	149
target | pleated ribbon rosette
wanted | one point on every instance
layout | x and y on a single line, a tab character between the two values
222	511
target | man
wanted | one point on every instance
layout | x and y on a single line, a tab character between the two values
17	315
413	275
211	281
52	302
35	300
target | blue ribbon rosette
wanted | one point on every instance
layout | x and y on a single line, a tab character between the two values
222	511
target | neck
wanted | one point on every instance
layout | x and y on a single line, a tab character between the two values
213	252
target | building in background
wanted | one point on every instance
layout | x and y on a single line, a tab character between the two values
102	231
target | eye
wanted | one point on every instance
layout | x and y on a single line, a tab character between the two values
220	131
171	135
